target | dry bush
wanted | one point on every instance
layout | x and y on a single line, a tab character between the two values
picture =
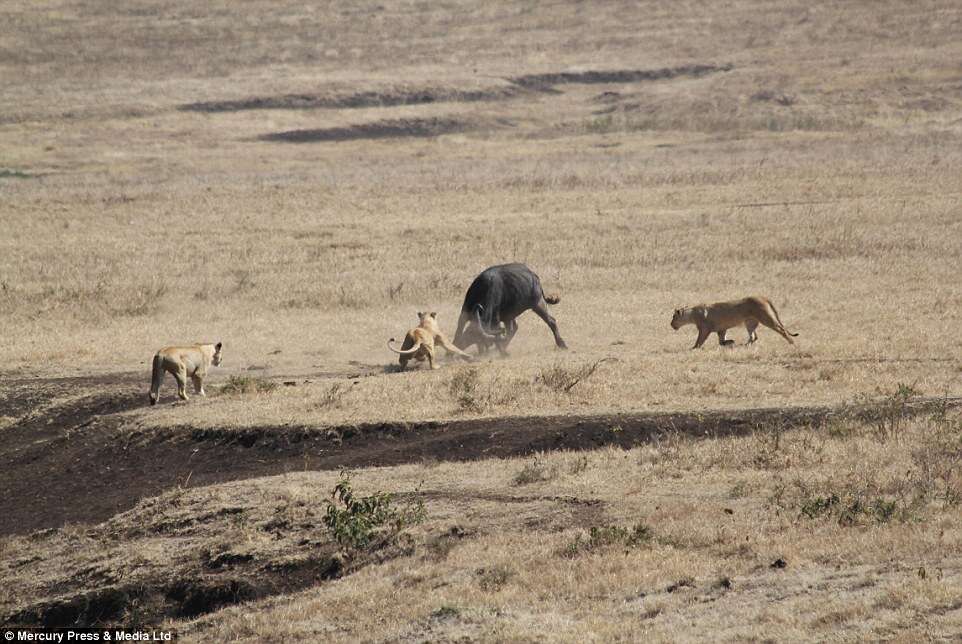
494	578
332	396
243	385
937	474
599	537
541	468
890	415
534	471
878	491
472	394
563	379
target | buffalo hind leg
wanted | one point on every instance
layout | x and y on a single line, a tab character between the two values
541	309
722	341
511	327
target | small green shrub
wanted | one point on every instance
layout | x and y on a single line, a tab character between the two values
853	506
364	522
819	505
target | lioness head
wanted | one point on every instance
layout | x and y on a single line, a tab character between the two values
428	321
215	359
678	319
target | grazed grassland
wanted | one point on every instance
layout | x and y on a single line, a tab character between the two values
838	531
297	180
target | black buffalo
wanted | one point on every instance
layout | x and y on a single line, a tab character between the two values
497	296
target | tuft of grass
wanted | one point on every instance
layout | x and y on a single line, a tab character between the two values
445	613
472	395
851	507
6	173
538	469
599	537
144	300
240	385
937	471
493	579
889	416
464	387
332	396
534	471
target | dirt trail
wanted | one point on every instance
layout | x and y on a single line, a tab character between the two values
76	462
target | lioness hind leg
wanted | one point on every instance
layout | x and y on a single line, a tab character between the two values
773	324
450	348
181	377
751	325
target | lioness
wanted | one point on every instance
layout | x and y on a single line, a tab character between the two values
419	342
721	316
191	360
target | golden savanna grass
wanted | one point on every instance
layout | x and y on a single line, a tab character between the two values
408	146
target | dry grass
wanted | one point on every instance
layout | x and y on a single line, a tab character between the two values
685	539
304	258
402	148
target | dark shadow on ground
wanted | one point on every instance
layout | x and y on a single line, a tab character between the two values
398	128
83	462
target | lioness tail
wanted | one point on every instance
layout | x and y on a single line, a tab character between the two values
157	375
552	299
779	320
404	352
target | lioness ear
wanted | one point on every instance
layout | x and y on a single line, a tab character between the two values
434	314
420	315
218	346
